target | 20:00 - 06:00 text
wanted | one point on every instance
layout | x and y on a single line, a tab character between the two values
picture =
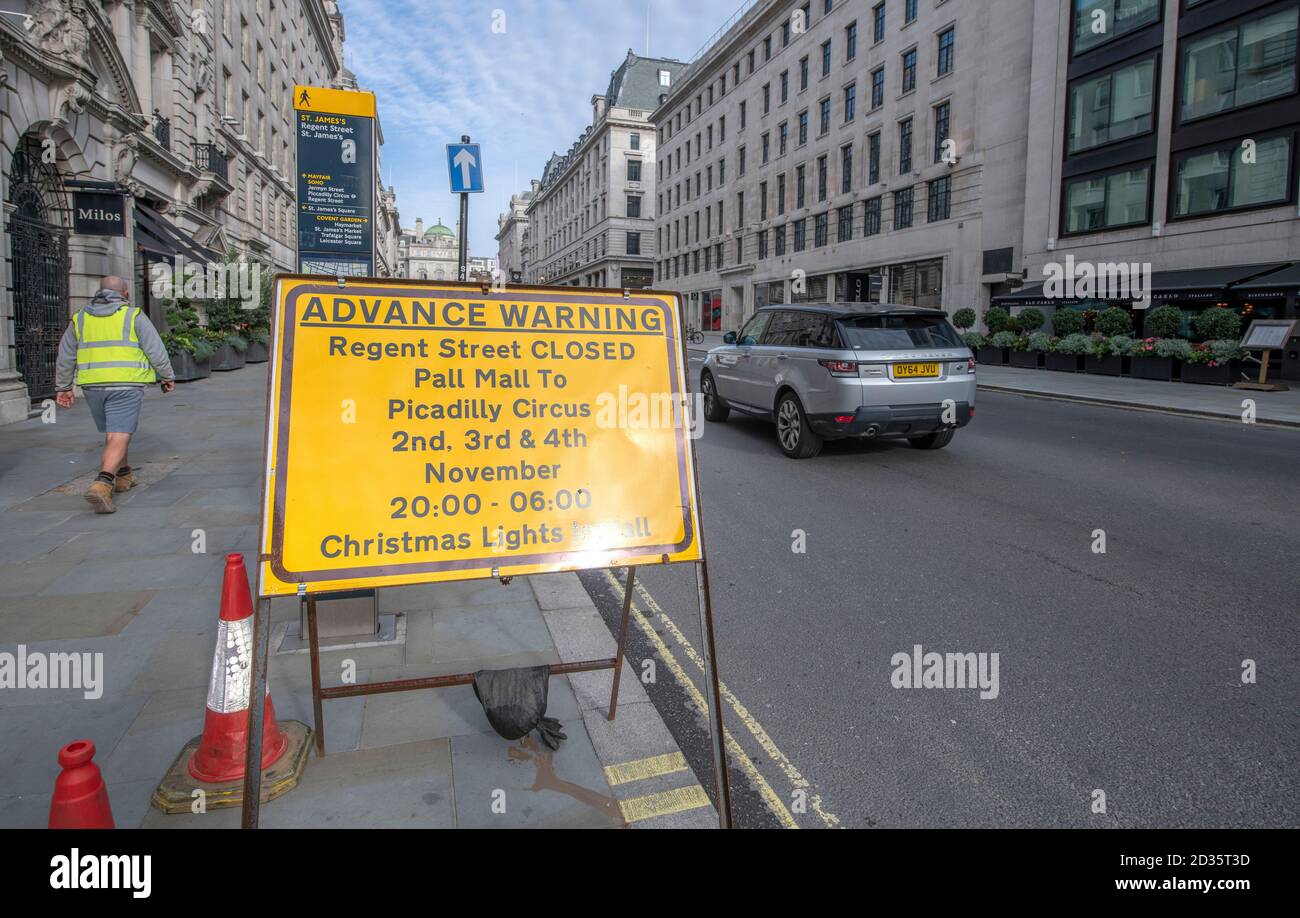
420	506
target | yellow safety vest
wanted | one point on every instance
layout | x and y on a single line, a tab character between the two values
108	350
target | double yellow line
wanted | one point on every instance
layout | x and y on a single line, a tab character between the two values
734	751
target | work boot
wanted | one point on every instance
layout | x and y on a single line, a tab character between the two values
125	482
100	496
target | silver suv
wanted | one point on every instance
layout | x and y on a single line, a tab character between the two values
831	370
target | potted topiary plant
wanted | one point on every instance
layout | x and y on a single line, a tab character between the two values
964	318
1162	322
1030	320
1070	353
1113	321
1214	363
187	348
1066	322
228	353
997	319
1217	323
1027	353
257	321
998	351
1159	358
975	340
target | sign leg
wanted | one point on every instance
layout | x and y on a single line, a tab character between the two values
256	716
318	719
713	693
622	641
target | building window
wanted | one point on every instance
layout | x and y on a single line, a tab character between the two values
785	33
749	61
846	169
820	223
762	244
938	199
909	70
909	11
947	38
850	41
634	205
634	243
799	187
740	249
871	222
850	101
824	124
762	200
785	86
941	130
665	77
740	165
873	158
877	87
902	208
800	235
1112	106
1098	21
845	229
634	170
634	140
780	241
878	22
822	171
767	98
905	146
780	194
740	208
803	73
826	57
742	114
1218	179
767	49
1241	65
766	147
1107	201
803	128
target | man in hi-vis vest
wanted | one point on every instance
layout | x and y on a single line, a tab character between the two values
115	352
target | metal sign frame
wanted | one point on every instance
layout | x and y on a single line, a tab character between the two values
262	613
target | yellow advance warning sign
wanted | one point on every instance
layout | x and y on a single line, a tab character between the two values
424	433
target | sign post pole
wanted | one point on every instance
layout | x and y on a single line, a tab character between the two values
465	174
464	221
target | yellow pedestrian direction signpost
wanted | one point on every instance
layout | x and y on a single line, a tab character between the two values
420	433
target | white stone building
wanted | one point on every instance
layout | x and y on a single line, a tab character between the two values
184	108
434	253
512	232
591	217
836	150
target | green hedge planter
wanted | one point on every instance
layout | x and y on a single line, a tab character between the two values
256	353
1027	360
187	369
1106	366
1065	363
1206	375
1162	368
227	358
995	356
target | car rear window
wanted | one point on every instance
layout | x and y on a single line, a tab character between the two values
883	333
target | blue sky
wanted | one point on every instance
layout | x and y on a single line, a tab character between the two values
440	71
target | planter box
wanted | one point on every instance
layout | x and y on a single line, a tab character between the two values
997	356
1027	360
227	358
256	353
1067	363
1224	375
187	369
1164	368
1106	366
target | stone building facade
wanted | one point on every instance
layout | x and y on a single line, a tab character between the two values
512	231
591	217
434	253
186	109
844	150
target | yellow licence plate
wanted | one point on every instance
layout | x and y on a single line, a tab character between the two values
915	370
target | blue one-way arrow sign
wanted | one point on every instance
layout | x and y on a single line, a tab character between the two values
465	166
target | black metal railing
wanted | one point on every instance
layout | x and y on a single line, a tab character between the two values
208	158
162	130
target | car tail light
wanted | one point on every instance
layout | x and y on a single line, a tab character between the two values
843	418
972	411
840	367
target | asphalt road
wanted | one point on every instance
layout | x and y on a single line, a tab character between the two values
1118	672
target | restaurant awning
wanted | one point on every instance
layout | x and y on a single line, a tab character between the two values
158	236
1029	295
1204	283
1282	282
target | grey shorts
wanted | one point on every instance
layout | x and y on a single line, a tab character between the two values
115	410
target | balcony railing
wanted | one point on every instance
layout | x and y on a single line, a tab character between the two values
162	130
208	158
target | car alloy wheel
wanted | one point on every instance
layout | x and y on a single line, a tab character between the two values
789	425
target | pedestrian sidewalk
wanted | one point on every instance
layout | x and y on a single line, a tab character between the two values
1282	408
130	586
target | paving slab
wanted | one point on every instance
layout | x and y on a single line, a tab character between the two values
29	619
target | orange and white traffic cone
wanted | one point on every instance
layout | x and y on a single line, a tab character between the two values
80	799
221	752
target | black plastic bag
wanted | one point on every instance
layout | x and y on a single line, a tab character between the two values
514	701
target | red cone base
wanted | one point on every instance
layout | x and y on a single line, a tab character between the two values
80	799
221	753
